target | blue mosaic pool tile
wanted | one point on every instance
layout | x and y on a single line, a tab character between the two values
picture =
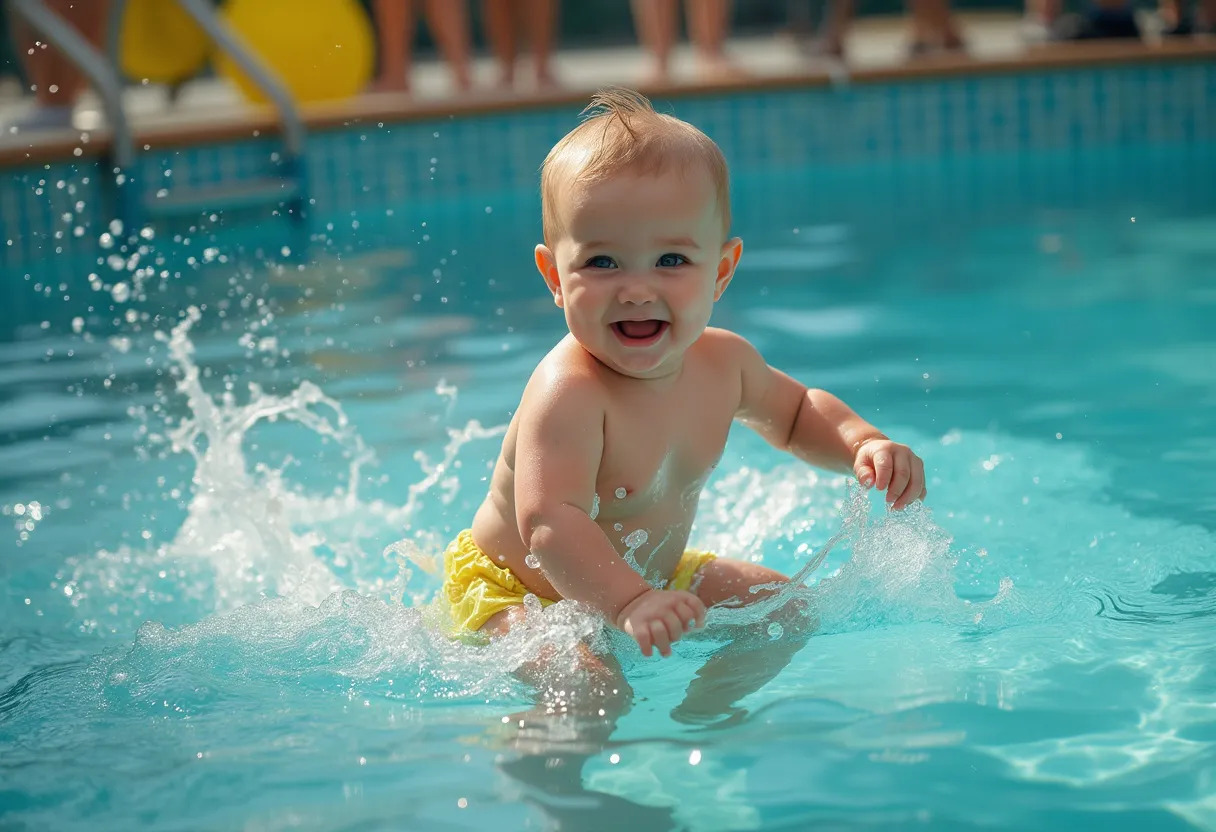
371	167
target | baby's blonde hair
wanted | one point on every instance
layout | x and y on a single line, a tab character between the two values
622	132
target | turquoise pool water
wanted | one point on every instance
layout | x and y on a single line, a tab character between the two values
203	628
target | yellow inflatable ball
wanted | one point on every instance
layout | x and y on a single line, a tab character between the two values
160	42
320	49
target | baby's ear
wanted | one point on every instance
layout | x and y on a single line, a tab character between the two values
546	264
728	261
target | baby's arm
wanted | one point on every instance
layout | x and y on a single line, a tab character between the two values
557	456
817	427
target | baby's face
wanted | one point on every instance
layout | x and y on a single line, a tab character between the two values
639	265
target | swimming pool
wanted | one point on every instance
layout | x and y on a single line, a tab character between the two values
202	628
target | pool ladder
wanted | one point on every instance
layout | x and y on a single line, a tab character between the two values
285	184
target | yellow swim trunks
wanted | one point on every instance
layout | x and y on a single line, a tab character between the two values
476	588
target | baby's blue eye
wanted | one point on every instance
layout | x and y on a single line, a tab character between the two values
601	261
670	261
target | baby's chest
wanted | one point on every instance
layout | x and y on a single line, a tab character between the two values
650	457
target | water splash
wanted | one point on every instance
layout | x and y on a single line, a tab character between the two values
901	569
248	532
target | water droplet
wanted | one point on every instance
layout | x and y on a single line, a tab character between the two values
775	631
636	538
531	604
532	561
121	292
620	493
595	506
694	757
617	526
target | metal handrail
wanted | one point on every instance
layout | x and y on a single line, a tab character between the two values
229	41
103	76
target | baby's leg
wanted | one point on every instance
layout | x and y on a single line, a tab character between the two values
753	657
574	716
596	688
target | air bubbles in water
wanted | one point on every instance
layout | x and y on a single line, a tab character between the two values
775	631
620	493
595	506
532	604
532	561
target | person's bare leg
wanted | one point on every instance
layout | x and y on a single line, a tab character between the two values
1045	11
449	23
708	24
395	33
835	25
56	80
656	24
541	22
500	22
1205	16
932	26
754	656
574	716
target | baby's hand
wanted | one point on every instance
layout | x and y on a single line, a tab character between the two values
892	467
659	617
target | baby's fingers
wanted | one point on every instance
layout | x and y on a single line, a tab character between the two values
865	472
659	636
916	485
642	636
884	467
901	474
692	612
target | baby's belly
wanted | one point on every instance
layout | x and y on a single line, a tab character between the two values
651	541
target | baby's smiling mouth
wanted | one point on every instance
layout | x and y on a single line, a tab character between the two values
639	333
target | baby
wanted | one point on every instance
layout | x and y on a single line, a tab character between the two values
622	423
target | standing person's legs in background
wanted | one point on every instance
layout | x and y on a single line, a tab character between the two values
708	24
1178	23
1040	17
448	21
835	24
932	27
542	20
56	81
395	37
655	21
502	31
509	20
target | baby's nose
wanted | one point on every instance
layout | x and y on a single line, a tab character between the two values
636	291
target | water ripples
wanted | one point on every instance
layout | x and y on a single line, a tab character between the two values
1178	598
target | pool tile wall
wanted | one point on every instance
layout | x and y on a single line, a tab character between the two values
51	216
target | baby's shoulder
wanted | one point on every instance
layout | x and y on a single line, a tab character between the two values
565	375
723	347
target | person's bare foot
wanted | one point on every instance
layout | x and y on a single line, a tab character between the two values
829	46
716	68
656	76
391	84
546	81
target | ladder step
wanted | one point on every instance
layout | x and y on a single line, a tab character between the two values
181	202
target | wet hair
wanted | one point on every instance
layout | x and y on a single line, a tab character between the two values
622	132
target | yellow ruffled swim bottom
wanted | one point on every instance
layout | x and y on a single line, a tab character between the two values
477	589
